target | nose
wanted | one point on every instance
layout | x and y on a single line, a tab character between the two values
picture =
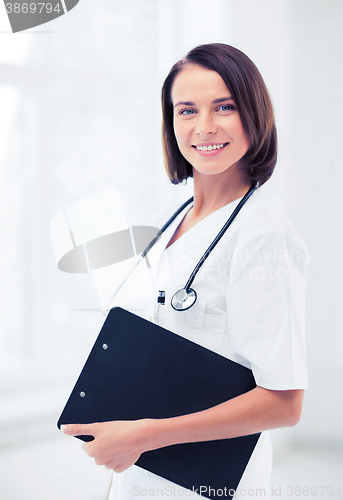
206	124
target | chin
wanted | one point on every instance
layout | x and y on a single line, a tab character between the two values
214	171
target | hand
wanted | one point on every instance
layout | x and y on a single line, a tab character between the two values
117	445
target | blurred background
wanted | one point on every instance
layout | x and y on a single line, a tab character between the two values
80	114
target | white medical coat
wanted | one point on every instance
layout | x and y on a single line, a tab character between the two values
250	308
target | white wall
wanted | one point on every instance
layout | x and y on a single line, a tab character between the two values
80	114
298	47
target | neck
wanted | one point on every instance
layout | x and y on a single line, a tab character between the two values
212	192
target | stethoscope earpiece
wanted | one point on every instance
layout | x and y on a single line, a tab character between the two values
183	299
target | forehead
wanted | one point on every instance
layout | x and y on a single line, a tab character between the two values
195	83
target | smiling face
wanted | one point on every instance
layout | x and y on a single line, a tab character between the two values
207	125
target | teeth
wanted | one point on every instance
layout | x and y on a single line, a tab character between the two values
209	148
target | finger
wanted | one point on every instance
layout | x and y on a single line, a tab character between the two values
118	465
87	449
90	449
78	429
112	466
84	447
99	461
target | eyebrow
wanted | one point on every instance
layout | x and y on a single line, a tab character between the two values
216	101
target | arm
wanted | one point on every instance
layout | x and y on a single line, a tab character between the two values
118	445
262	331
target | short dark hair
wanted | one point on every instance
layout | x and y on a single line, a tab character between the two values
251	97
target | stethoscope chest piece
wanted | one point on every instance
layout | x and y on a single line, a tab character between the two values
183	299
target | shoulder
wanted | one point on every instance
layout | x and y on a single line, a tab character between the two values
261	214
261	224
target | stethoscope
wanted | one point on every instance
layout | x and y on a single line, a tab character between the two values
186	297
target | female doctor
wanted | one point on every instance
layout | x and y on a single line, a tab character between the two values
218	128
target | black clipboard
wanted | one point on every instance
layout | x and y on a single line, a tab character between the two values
137	369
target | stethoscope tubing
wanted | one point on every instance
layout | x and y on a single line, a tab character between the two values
149	247
166	225
218	237
189	292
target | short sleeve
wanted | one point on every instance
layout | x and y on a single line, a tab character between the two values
266	308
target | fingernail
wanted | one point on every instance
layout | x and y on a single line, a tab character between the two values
64	428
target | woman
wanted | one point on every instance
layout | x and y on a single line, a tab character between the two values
218	127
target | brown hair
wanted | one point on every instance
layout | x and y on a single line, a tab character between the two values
251	97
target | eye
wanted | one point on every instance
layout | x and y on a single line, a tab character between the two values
187	112
227	107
